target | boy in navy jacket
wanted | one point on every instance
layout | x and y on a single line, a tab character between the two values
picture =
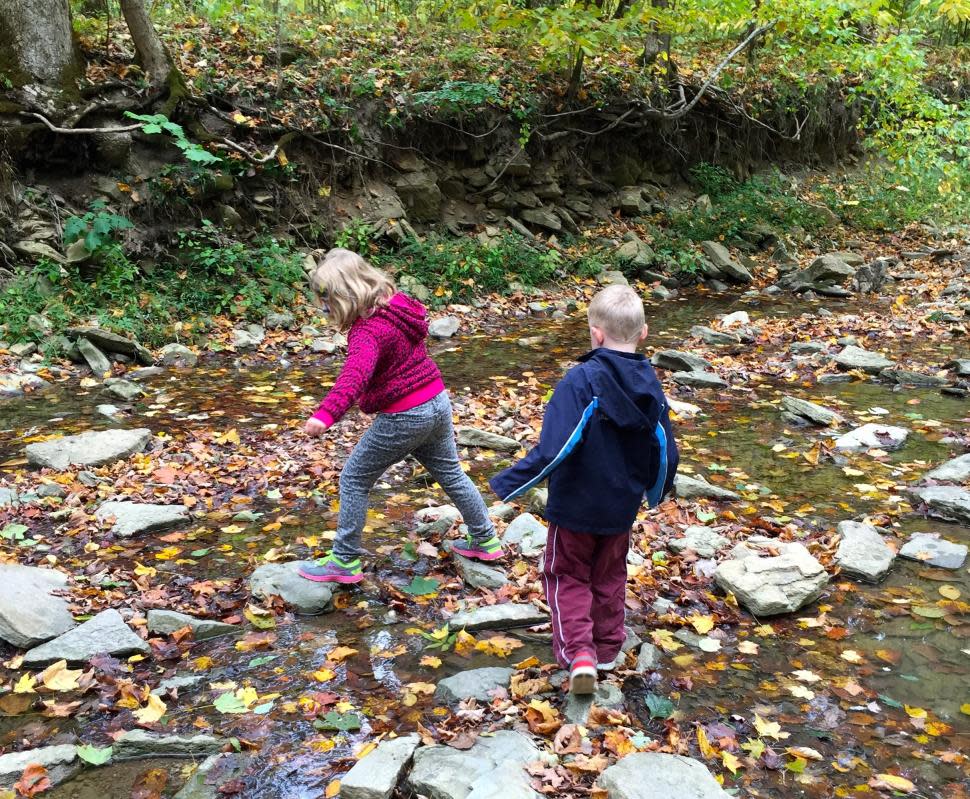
606	444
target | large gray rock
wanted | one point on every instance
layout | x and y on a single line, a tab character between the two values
768	585
473	437
956	470
718	255
853	357
245	340
653	775
946	502
376	775
123	389
711	336
493	768
88	449
830	268
29	612
165	622
477	683
141	743
421	195
863	552
688	487
498	617
578	706
212	774
478	575
105	634
61	762
960	367
95	359
132	518
873	436
282	579
444	327
907	377
647	658
528	532
542	217
177	355
934	550
106	341
678	361
809	410
699	380
702	540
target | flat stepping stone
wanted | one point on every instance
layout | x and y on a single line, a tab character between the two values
473	437
934	550
946	502
905	377
678	361
166	622
141	743
225	769
281	579
445	327
695	487
853	357
528	533
578	706
61	762
704	541
88	449
863	552
473	683
498	617
132	518
376	775
873	436
105	634
714	337
437	519
29	611
699	380
478	575
956	470
647	658
816	414
650	775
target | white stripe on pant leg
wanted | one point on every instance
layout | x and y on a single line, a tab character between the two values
552	566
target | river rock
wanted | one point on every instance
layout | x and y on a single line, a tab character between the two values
946	502
647	658
283	580
61	762
8	498
88	449
688	487
376	775
770	585
718	255
654	775
807	347
678	361
863	552
809	410
852	358
29	612
123	389
709	336
132	518
493	768
106	341
529	533
177	355
141	743
956	470
438	519
704	541
473	437
829	268
873	436
244	340
506	616
478	575
95	359
177	683
226	768
477	683
279	320
635	252
578	706
105	634
502	511
934	550
905	377
699	380
168	621
961	367
444	327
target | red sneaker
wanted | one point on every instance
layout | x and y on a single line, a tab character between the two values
582	674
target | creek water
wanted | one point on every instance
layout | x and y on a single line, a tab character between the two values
919	663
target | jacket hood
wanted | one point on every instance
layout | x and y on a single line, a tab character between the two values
408	315
629	392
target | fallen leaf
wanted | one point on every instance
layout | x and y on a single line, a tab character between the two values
152	711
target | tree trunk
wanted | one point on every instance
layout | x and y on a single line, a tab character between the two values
37	44
152	56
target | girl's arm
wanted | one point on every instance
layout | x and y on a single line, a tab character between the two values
362	355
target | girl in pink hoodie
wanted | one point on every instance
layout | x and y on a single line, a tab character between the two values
388	372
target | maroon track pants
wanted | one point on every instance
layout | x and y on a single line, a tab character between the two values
584	577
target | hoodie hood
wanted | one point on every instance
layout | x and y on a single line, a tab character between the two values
626	387
408	315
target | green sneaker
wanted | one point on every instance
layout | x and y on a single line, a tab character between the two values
330	569
480	550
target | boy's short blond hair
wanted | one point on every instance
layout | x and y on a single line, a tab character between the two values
618	311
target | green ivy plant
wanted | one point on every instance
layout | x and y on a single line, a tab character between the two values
159	123
96	228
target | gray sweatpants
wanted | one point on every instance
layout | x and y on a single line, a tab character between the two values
427	433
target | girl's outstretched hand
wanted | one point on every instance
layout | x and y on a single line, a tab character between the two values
314	427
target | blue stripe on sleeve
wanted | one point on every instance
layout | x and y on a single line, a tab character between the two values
655	492
568	447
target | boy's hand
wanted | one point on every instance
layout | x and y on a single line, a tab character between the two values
314	427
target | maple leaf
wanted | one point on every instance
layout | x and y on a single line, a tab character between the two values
769	729
152	711
33	781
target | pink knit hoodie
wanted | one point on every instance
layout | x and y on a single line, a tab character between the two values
387	368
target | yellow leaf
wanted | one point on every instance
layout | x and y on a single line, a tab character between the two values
499	645
965	708
892	782
852	656
430	661
683	660
464	643
950	591
768	729
665	640
152	712
203	663
324	675
340	654
704	744
731	763
425	688
229	437
58	677
25	685
145	571
333	789
703	624
169	553
915	712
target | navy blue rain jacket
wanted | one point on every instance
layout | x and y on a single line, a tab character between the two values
606	444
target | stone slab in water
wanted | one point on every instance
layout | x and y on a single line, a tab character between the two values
88	449
956	470
863	552
111	342
873	436
498	617
699	379
493	768
282	579
678	361
166	622
473	437
132	518
934	550
29	612
141	743
478	575
688	487
578	706
177	355
709	336
213	773
647	658
946	502
123	389
853	357
61	763
906	377
702	540
816	414
105	634
477	683
654	775
376	775
528	532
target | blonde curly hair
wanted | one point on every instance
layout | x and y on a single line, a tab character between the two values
351	287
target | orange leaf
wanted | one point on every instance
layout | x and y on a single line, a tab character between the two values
33	781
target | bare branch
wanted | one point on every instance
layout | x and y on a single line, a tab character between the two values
255	159
80	131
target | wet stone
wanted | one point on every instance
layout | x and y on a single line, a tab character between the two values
105	634
709	336
61	762
177	683
477	683
699	380
141	743
169	621
123	389
704	541
934	550
213	773
816	414
438	519
719	255
283	580
88	449
30	613
956	470
578	707
807	347
873	436
133	518
478	575
177	355
688	487
498	617
863	552
853	358
678	361
528	532
95	359
647	658
946	502
445	327
473	437
651	775
376	775
8	498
